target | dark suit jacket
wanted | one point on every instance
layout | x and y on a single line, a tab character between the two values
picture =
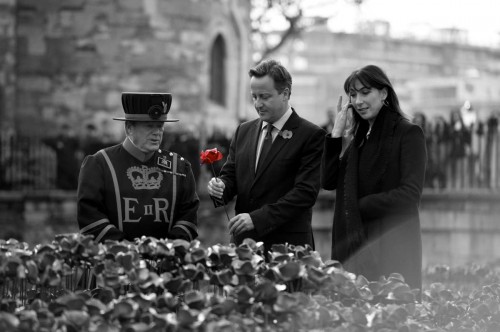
280	196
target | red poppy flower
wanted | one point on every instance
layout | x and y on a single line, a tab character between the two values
210	156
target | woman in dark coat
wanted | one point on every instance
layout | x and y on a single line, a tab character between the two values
375	159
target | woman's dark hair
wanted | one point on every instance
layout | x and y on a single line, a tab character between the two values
274	69
372	76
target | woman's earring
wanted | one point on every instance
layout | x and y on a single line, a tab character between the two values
385	102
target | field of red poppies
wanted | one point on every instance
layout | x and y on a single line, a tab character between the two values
74	284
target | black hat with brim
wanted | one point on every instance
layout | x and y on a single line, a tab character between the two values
146	106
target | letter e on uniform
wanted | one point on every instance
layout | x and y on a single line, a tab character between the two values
129	208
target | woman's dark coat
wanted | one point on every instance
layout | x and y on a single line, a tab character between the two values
378	182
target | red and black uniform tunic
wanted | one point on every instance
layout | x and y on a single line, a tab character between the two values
122	197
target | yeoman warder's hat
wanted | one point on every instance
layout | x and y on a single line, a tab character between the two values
146	106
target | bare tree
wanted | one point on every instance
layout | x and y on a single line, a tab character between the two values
274	22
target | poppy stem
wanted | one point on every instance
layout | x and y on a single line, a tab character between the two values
225	209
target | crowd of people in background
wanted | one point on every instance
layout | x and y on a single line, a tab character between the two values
70	149
463	150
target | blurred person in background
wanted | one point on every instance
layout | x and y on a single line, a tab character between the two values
476	130
68	154
330	116
420	119
460	139
468	114
91	140
7	135
375	159
135	189
187	144
439	152
492	149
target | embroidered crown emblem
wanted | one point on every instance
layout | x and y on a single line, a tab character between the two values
145	177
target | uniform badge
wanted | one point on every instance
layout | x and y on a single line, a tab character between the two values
165	163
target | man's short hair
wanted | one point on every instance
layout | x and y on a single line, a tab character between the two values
274	69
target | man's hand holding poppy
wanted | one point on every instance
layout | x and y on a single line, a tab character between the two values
216	187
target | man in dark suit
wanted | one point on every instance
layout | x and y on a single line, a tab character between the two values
273	166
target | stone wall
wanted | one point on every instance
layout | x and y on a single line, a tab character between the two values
460	228
75	57
37	216
457	228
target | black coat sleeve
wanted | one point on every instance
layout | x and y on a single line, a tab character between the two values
330	162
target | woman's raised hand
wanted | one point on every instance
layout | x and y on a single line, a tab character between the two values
341	120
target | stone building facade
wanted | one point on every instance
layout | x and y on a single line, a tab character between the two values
429	76
67	62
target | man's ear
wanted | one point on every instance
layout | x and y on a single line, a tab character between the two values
286	94
128	128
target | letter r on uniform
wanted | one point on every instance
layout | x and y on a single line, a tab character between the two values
161	206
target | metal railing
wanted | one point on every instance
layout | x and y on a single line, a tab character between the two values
463	159
26	163
454	162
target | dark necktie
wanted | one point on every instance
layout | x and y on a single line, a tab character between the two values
266	145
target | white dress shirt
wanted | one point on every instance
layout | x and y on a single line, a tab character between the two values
277	127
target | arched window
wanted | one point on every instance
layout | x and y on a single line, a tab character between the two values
1	103
218	71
